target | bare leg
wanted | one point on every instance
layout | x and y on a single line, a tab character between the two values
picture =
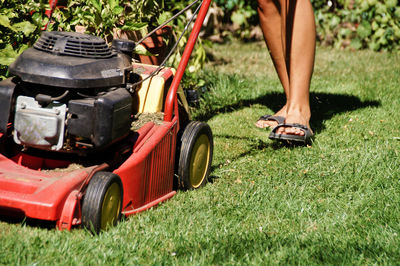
301	61
293	55
271	21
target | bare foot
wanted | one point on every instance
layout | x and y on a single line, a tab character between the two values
271	123
296	116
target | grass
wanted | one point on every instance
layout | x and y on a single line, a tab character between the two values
335	202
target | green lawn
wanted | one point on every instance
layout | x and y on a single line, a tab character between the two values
335	202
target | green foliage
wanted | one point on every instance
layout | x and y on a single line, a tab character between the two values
242	13
191	78
20	24
335	203
357	24
104	17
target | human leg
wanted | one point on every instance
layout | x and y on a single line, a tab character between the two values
301	63
289	31
271	23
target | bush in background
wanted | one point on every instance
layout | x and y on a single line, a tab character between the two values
241	14
19	28
358	24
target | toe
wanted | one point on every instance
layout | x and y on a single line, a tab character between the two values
265	124
290	131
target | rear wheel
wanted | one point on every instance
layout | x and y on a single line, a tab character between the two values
195	155
102	203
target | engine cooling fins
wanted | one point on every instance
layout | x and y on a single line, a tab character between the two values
72	60
73	44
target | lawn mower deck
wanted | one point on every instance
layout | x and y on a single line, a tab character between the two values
52	190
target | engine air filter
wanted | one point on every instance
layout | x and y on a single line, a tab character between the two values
73	44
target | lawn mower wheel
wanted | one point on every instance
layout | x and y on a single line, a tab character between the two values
195	155
102	203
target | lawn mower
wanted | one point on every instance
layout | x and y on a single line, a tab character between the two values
70	151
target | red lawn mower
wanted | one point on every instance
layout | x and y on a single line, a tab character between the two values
69	152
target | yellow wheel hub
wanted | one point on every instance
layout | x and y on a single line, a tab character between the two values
111	206
199	160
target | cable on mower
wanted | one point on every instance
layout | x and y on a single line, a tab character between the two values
161	66
174	47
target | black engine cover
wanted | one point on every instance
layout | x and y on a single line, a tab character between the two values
71	60
102	120
7	88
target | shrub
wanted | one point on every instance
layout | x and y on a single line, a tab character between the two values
357	24
19	27
241	13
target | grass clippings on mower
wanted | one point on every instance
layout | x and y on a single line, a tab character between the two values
70	168
143	118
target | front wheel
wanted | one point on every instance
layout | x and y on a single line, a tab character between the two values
195	155
102	203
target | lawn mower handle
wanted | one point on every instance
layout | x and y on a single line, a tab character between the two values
171	96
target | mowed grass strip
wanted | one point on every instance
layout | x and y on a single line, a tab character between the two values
336	201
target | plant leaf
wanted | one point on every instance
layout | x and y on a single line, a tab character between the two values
356	44
97	5
134	25
25	27
364	30
141	50
4	21
164	17
113	4
238	18
117	10
7	55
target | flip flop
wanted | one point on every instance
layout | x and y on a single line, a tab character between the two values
308	135
276	118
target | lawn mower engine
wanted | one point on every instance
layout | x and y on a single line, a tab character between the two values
70	94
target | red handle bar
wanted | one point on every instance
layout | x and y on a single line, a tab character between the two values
169	103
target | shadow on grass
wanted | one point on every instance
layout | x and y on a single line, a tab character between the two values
323	106
24	221
254	146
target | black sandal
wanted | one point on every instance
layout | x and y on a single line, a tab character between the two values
308	135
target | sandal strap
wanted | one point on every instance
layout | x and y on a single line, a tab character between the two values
305	129
276	118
